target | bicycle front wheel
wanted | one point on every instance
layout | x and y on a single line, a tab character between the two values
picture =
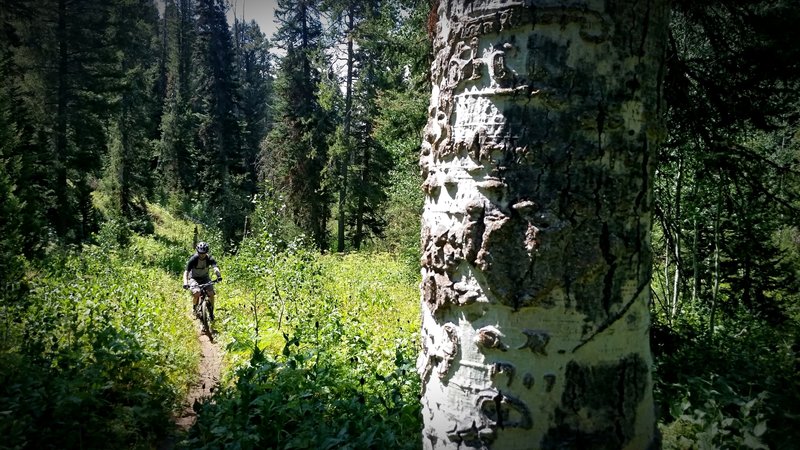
204	315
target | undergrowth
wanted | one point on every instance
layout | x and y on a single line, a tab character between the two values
95	356
321	351
100	351
737	391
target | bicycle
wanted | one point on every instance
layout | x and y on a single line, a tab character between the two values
204	308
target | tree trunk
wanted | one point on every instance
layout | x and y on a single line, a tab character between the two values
61	157
695	259
715	286
677	284
539	157
358	238
344	158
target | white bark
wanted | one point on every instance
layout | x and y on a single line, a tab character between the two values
538	157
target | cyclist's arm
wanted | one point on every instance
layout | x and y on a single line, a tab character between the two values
189	266
216	271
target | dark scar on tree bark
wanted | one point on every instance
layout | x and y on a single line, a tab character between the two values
610	321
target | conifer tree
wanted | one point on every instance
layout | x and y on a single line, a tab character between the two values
221	167
396	76
177	121
23	156
295	153
254	67
132	30
727	173
372	161
63	57
362	30
11	208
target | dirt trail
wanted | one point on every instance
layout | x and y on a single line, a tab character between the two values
208	375
206	382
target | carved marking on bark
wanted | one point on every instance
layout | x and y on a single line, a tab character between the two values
594	25
472	436
497	411
440	352
490	337
503	367
503	411
438	293
549	381
467	294
473	230
601	390
537	341
528	381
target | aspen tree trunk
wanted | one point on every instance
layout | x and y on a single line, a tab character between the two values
539	157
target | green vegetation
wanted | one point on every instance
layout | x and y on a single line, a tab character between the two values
740	392
726	323
320	350
99	352
122	131
321	353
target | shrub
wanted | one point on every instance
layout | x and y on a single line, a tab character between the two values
322	349
94	361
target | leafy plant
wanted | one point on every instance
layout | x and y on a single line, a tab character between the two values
719	418
322	352
739	390
97	358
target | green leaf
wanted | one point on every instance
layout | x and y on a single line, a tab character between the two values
727	422
753	442
760	428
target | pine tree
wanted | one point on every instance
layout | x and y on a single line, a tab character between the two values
132	30
63	57
727	180
372	160
24	156
221	170
398	70
12	211
254	65
294	155
177	121
362	31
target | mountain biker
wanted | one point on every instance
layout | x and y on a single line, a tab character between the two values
196	273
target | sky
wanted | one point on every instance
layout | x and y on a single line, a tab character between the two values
262	11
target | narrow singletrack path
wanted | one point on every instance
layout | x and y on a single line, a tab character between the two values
206	382
207	379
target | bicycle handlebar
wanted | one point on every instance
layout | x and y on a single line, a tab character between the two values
204	285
